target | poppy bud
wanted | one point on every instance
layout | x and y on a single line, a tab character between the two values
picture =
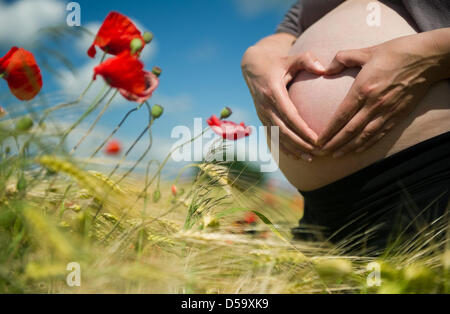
136	45
21	184
156	196
157	111
225	113
148	37
2	112
174	190
157	71
24	124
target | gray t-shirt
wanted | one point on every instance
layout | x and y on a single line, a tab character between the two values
427	14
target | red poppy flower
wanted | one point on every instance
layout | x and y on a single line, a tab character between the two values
152	82
229	130
250	218
19	68
115	35
174	190
114	147
124	72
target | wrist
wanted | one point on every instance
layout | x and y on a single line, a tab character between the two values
438	43
278	43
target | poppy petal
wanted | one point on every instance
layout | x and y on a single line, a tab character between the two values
228	130
22	73
124	72
115	35
92	51
152	82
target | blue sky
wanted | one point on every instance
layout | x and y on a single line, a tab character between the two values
198	44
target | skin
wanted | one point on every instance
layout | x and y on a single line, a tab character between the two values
268	69
395	76
398	94
372	107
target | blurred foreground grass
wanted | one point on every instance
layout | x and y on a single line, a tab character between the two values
129	242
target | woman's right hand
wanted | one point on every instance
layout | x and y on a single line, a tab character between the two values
268	70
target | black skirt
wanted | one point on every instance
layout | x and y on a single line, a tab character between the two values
395	197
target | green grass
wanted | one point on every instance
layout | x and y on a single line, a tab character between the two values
194	243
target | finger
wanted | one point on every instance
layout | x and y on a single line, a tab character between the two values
371	131
290	146
289	114
291	141
389	125
349	107
364	124
375	131
306	61
391	121
348	59
288	134
348	133
265	121
288	152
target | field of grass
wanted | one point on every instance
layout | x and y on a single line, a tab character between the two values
128	239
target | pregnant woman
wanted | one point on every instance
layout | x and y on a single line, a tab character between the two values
360	92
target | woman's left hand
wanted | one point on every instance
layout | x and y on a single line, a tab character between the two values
395	76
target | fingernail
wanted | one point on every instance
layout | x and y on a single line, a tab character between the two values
319	143
307	157
338	155
319	66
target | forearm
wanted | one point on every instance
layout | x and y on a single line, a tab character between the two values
281	42
278	43
440	39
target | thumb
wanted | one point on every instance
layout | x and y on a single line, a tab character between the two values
303	62
348	59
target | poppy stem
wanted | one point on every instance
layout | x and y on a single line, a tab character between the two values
103	57
151	121
94	106
85	91
150	144
96	103
113	133
131	149
61	106
180	173
166	160
95	122
148	184
147	171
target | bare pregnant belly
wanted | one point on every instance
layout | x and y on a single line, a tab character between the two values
317	98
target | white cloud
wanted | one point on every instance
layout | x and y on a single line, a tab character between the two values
21	20
253	8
